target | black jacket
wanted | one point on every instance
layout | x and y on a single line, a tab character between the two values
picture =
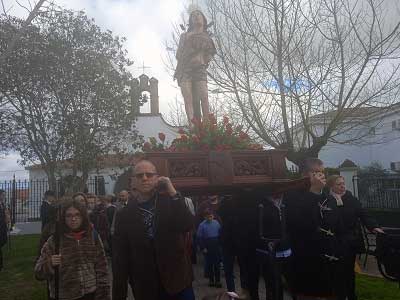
45	212
312	224
147	264
351	216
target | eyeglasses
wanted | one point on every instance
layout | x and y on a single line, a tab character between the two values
70	217
148	175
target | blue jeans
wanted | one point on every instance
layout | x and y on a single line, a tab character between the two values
186	294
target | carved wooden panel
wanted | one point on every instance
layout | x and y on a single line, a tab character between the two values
220	168
186	168
246	167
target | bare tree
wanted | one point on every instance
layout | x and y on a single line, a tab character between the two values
176	115
297	70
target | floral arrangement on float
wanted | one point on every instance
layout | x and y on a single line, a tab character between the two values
207	135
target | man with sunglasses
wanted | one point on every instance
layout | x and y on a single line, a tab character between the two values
149	240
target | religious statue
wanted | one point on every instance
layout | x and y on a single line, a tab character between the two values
195	51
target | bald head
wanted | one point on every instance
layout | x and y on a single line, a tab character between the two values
123	196
144	164
145	177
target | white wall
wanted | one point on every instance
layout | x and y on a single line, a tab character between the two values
383	147
147	125
151	125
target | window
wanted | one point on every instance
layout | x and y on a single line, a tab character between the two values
372	131
395	166
99	186
396	124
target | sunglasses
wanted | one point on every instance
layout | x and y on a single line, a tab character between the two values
148	175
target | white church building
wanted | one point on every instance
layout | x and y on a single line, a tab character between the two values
148	125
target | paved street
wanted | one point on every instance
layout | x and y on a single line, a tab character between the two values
202	289
27	228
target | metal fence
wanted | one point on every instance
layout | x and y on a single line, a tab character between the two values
379	192
24	197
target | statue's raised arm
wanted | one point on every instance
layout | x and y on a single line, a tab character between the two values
194	53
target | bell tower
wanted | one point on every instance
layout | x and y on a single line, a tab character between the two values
139	88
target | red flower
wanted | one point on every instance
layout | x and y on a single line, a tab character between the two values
212	119
184	138
196	121
181	131
226	120
243	135
146	146
161	136
196	139
229	129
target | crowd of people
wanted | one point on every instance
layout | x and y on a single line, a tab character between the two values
306	240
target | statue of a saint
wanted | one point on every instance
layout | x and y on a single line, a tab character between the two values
195	51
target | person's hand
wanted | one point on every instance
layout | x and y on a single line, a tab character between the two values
377	230
318	179
55	260
165	186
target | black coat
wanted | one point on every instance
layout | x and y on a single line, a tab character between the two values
351	216
45	213
312	223
148	264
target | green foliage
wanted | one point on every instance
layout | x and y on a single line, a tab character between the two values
17	279
206	135
374	169
68	86
372	288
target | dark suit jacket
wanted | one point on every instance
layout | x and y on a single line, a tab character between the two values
148	264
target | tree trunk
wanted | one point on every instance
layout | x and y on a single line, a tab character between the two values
50	171
298	156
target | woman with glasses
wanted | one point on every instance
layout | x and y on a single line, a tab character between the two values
82	264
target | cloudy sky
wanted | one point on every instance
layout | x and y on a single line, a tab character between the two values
146	24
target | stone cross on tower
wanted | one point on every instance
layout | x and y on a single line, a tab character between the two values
144	84
143	67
